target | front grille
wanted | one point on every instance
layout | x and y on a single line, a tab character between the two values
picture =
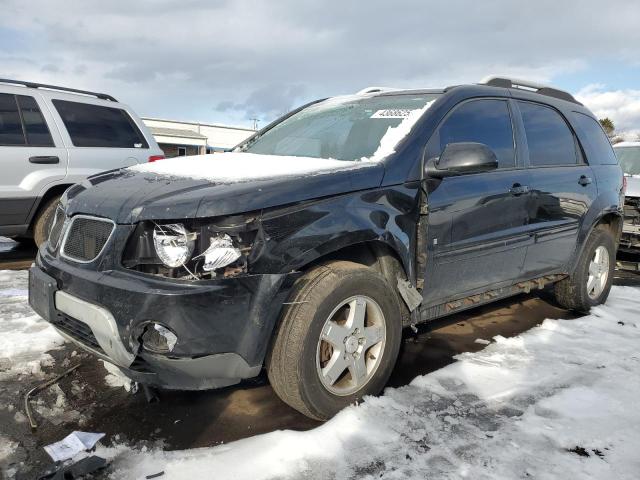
86	237
77	330
56	227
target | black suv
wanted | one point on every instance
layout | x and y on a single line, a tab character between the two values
307	249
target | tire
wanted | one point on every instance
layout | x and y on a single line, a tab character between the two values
320	304
42	223
576	292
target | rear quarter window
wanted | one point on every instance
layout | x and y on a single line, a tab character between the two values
593	139
97	126
10	126
549	138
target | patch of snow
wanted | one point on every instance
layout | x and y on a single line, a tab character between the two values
482	341
24	336
243	166
516	409
6	244
115	378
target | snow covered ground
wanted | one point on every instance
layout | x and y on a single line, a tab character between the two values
557	401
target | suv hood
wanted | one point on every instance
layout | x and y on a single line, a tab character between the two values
214	185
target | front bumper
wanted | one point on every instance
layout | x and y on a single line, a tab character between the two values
223	326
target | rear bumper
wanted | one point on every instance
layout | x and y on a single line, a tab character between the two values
223	326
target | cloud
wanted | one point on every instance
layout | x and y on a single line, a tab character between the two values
228	61
621	106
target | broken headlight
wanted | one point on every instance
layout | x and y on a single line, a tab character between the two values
220	253
198	250
173	243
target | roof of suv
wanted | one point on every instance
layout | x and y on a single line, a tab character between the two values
491	82
101	96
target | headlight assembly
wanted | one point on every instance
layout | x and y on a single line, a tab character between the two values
198	250
220	253
174	244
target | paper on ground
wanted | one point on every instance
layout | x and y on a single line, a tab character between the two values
72	444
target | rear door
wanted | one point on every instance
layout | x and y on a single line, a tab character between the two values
477	224
101	136
563	187
32	154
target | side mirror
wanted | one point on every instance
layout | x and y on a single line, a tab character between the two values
462	158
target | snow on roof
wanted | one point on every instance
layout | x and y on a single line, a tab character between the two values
176	132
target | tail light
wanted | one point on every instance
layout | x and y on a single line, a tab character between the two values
153	158
624	184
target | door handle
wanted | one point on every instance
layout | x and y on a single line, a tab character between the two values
518	189
584	180
45	159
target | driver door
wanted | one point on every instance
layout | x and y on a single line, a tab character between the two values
478	230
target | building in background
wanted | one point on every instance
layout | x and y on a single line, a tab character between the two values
189	138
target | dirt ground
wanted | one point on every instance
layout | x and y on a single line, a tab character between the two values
197	419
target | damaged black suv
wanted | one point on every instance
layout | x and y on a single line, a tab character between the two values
308	248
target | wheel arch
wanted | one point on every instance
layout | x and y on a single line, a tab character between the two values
376	254
52	192
608	220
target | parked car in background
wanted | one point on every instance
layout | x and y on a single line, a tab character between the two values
308	248
628	154
52	137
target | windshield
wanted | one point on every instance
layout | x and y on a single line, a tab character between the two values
629	159
344	128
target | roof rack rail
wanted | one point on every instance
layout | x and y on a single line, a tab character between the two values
364	91
504	82
101	96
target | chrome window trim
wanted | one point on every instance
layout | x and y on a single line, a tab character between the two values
68	229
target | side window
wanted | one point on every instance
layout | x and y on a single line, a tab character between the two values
10	126
593	140
483	121
549	139
97	126
35	126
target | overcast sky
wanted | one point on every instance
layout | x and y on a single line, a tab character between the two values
230	61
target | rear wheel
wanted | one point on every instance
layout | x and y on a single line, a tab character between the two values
42	222
338	339
591	281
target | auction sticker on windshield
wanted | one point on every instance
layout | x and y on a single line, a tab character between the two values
392	113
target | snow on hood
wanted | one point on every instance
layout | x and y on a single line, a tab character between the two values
243	166
240	166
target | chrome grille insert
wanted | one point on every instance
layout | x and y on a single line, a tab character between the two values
86	237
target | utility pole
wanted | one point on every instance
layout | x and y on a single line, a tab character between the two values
255	123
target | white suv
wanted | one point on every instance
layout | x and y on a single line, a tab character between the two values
52	137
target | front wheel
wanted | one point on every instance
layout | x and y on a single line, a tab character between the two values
591	281
338	339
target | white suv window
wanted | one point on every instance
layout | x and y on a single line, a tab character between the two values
10	126
22	123
97	126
